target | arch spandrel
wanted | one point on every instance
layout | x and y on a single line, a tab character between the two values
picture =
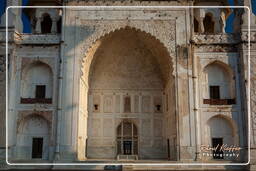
228	119
230	122
24	116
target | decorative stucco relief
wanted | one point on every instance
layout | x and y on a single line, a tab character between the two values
245	35
37	39
216	38
253	100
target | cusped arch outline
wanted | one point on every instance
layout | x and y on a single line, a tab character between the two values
95	41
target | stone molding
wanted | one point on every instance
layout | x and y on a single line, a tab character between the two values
123	3
253	101
210	57
215	48
37	38
245	36
47	52
3	36
216	39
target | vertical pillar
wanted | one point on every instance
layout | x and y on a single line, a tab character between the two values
201	25
222	22
246	14
54	25
186	144
38	25
216	25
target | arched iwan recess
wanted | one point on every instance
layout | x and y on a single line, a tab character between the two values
142	72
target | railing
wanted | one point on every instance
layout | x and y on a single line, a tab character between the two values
37	38
35	100
219	101
216	38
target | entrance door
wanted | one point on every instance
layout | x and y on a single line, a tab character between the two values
127	139
127	147
37	148
217	143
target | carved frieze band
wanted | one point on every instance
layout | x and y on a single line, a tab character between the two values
37	39
216	38
245	36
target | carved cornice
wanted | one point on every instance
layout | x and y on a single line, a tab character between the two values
216	39
126	2
215	48
245	36
3	36
37	38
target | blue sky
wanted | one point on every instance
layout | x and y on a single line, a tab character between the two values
229	26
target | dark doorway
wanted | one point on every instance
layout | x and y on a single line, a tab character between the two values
37	148
217	143
127	147
214	92
40	91
168	149
196	26
46	24
208	24
59	25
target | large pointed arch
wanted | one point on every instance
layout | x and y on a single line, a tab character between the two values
96	42
164	61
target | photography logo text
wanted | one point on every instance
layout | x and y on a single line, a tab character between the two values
220	151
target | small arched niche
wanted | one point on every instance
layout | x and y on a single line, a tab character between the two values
37	83
218	84
33	138
221	132
46	24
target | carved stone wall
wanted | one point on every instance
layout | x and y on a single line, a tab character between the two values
85	32
2	99
253	106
